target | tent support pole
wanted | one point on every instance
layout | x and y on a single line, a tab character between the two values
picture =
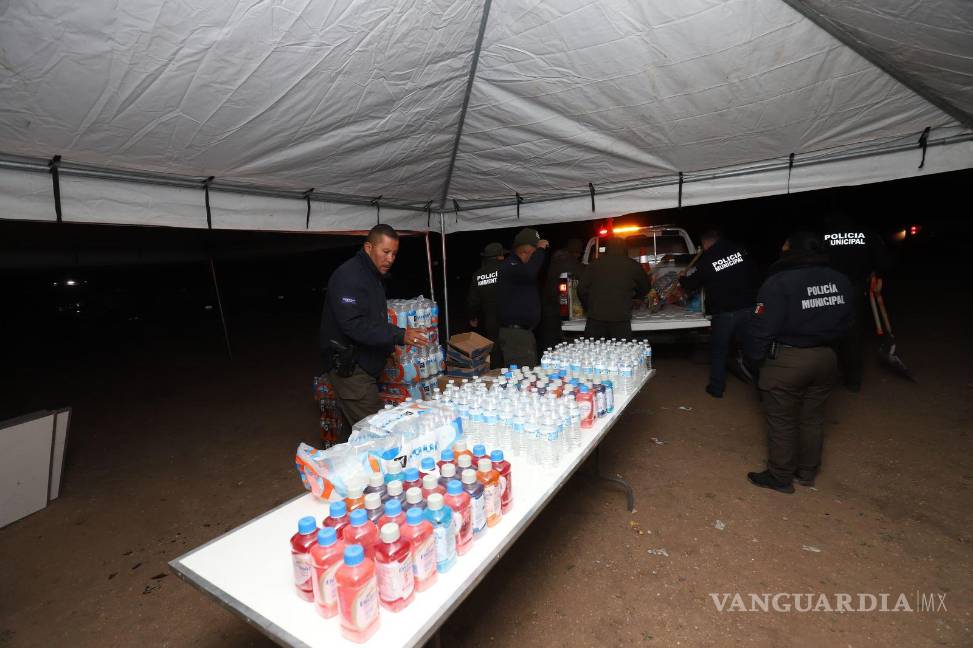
432	287
219	303
442	229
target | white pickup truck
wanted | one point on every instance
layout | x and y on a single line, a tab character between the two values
663	250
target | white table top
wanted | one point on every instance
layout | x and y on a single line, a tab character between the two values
249	568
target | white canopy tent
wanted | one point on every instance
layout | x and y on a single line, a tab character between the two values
328	116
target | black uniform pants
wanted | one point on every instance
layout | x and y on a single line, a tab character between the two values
724	328
602	329
357	395
794	388
518	346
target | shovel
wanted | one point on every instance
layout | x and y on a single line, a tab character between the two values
883	328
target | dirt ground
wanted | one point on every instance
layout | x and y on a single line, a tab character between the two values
169	450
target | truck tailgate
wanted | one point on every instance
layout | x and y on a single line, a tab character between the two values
669	318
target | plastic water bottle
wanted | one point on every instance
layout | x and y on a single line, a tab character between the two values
531	436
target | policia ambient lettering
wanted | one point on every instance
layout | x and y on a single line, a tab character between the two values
833	296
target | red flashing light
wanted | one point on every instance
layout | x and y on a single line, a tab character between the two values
603	232
914	229
563	287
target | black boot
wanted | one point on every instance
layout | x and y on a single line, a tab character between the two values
766	480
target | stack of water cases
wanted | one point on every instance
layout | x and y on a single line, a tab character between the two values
410	372
332	424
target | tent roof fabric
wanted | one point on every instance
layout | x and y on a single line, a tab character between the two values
392	100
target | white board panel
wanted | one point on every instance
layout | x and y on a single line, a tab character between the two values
62	420
25	461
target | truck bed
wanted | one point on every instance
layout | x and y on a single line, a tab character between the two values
669	318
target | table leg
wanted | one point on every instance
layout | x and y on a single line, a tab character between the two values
617	479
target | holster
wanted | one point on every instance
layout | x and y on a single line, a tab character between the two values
343	359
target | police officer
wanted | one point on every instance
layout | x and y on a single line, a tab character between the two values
726	271
857	253
356	336
802	309
607	288
481	300
520	304
567	260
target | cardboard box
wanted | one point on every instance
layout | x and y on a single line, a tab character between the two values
469	345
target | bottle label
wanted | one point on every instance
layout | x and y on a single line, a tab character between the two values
395	579
302	570
479	514
424	564
364	609
585	407
328	584
445	543
491	495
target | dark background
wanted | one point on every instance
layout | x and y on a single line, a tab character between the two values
143	299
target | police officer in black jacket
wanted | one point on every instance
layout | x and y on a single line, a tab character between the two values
519	296
727	272
481	300
356	336
857	253
803	308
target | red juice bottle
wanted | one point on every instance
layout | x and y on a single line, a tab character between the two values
393	514
459	501
506	481
393	567
430	485
445	457
586	405
357	595
326	557
301	543
490	479
447	474
337	517
361	531
479	452
418	531
412	479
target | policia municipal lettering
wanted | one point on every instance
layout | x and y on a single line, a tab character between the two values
481	300
356	336
803	309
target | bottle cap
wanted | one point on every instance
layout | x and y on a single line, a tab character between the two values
338	509
454	487
447	455
484	465
373	501
583	389
496	455
395	468
448	470
434	503
469	476
395	488
354	555
306	525
393	507
459	446
414	516
464	461
479	450
375	480
359	517
327	537
413	495
429	482
355	488
411	474
389	532
428	463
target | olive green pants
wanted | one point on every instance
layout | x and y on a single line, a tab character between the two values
518	346
357	395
